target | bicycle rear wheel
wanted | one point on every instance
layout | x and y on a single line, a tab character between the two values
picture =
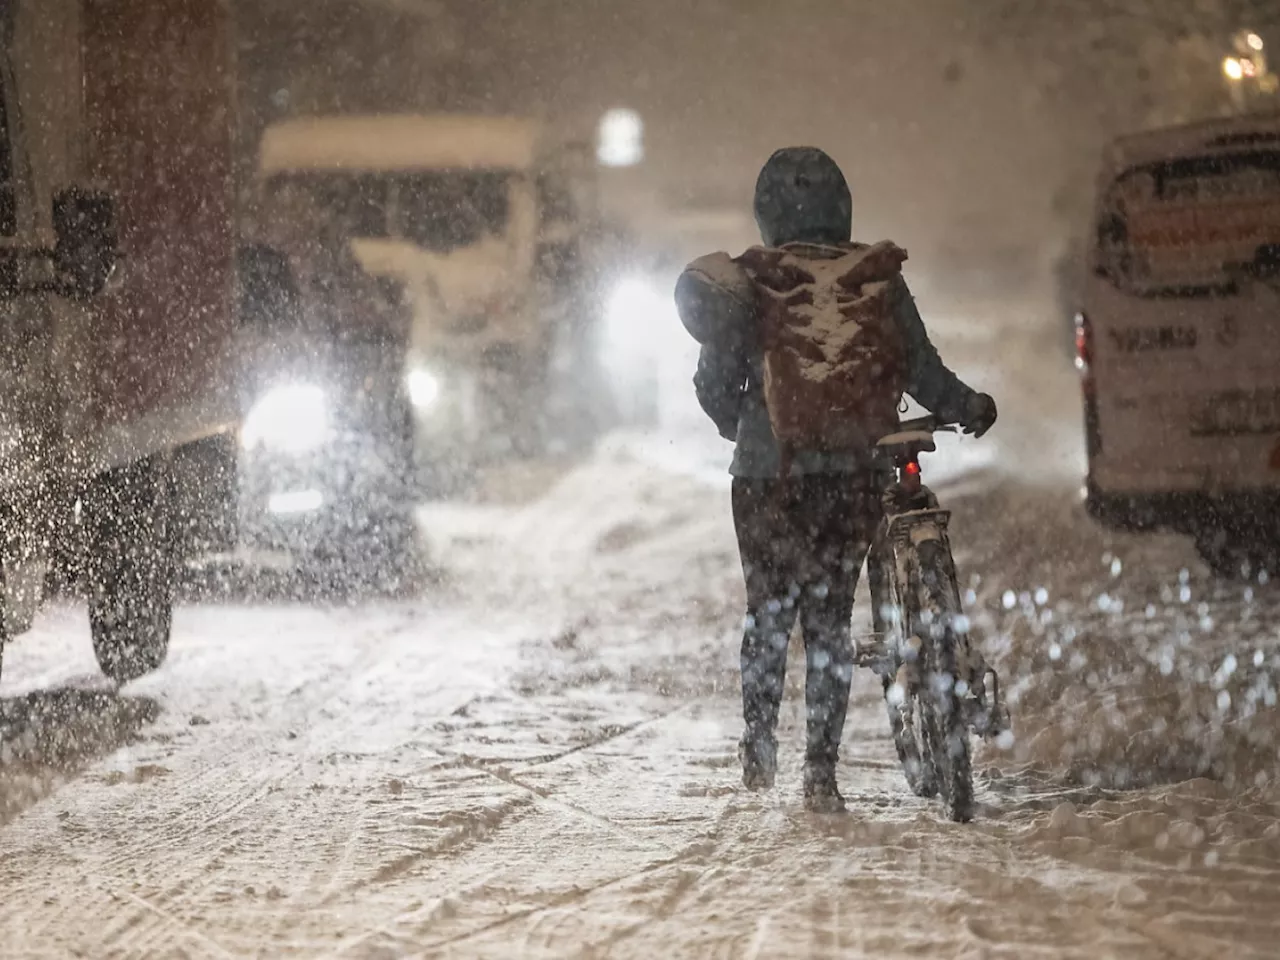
934	605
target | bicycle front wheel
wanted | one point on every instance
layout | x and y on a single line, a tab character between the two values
934	607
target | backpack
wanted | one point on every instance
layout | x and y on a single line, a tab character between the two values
834	360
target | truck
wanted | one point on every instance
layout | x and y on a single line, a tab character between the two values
464	213
117	278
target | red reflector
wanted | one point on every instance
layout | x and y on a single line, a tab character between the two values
912	469
1084	341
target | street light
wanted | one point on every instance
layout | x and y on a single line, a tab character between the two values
620	138
1246	69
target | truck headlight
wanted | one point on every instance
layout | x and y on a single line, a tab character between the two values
424	388
290	419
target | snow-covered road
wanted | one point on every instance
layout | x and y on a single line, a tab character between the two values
536	757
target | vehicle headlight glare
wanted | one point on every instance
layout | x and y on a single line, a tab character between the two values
289	419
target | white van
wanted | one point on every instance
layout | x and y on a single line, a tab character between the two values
1178	338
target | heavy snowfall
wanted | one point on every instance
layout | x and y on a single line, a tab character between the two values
289	263
533	754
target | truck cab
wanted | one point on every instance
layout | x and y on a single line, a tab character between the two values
449	207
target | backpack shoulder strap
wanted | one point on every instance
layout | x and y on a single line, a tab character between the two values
877	263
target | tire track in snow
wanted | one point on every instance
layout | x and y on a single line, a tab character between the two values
545	797
698	850
497	769
167	921
246	766
560	902
256	770
526	763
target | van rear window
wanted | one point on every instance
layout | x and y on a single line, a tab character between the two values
1187	226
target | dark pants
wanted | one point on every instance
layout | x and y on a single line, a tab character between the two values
802	543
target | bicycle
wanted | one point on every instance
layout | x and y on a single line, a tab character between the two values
937	687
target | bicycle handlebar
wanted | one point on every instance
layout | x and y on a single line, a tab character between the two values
927	424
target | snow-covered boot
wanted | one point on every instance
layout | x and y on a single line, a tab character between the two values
821	793
759	756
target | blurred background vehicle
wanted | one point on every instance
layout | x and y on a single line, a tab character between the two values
324	463
456	209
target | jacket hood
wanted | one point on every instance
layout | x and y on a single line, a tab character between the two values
802	197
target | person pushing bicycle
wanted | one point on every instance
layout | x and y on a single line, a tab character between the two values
808	344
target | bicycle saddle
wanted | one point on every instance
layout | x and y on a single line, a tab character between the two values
908	444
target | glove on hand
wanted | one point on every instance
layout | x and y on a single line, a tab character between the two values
979	414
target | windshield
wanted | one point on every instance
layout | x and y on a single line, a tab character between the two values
444	210
354	205
1182	226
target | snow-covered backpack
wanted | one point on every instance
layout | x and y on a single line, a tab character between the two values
834	360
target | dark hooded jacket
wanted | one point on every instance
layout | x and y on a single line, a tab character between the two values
801	197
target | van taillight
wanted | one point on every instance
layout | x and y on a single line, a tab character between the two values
1084	343
1084	363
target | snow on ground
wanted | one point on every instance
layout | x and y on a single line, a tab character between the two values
536	757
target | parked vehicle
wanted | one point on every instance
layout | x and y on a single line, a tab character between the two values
116	285
1177	340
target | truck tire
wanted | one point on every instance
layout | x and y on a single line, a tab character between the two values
1234	556
131	568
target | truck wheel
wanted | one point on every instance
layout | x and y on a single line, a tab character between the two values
1229	559
130	568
